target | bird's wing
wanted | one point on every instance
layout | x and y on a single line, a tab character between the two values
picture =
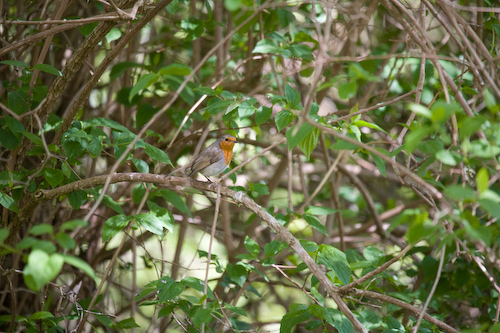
200	163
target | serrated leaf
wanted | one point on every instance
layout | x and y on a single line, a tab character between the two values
292	96
114	225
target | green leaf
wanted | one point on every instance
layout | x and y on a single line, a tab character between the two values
175	200
80	264
348	89
252	246
295	135
175	69
235	309
266	46
314	222
309	143
297	314
420	110
144	81
237	273
335	260
262	115
380	163
362	123
113	34
127	323
459	192
65	240
259	188
8	202
446	157
482	180
374	255
41	268
320	210
18	101
48	69
202	316
246	108
121	67
150	222
157	154
53	176
292	97
41	315
164	215
14	63
41	229
168	289
4	233
114	225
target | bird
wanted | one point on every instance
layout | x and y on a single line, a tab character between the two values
214	159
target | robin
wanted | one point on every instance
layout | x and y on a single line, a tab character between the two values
214	159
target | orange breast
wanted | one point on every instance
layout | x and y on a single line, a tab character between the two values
227	149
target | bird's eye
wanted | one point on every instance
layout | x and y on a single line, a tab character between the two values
227	139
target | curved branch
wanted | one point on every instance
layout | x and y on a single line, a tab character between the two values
241	198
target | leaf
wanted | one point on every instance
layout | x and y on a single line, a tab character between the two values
144	81
175	200
114	225
314	222
309	143
175	69
235	309
420	110
320	210
4	233
157	154
374	255
266	46
48	69
335	260
262	115
252	246
127	323
41	268
14	63
65	240
348	89
168	289
164	215
80	264
362	123
295	135
150	222
121	67
446	157
41	315
237	273
482	180
459	192
18	101
8	202
380	163
53	176
292	97
297	313
41	229
202	316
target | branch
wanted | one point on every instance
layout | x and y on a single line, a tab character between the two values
242	199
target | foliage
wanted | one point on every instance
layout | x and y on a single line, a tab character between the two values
368	198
